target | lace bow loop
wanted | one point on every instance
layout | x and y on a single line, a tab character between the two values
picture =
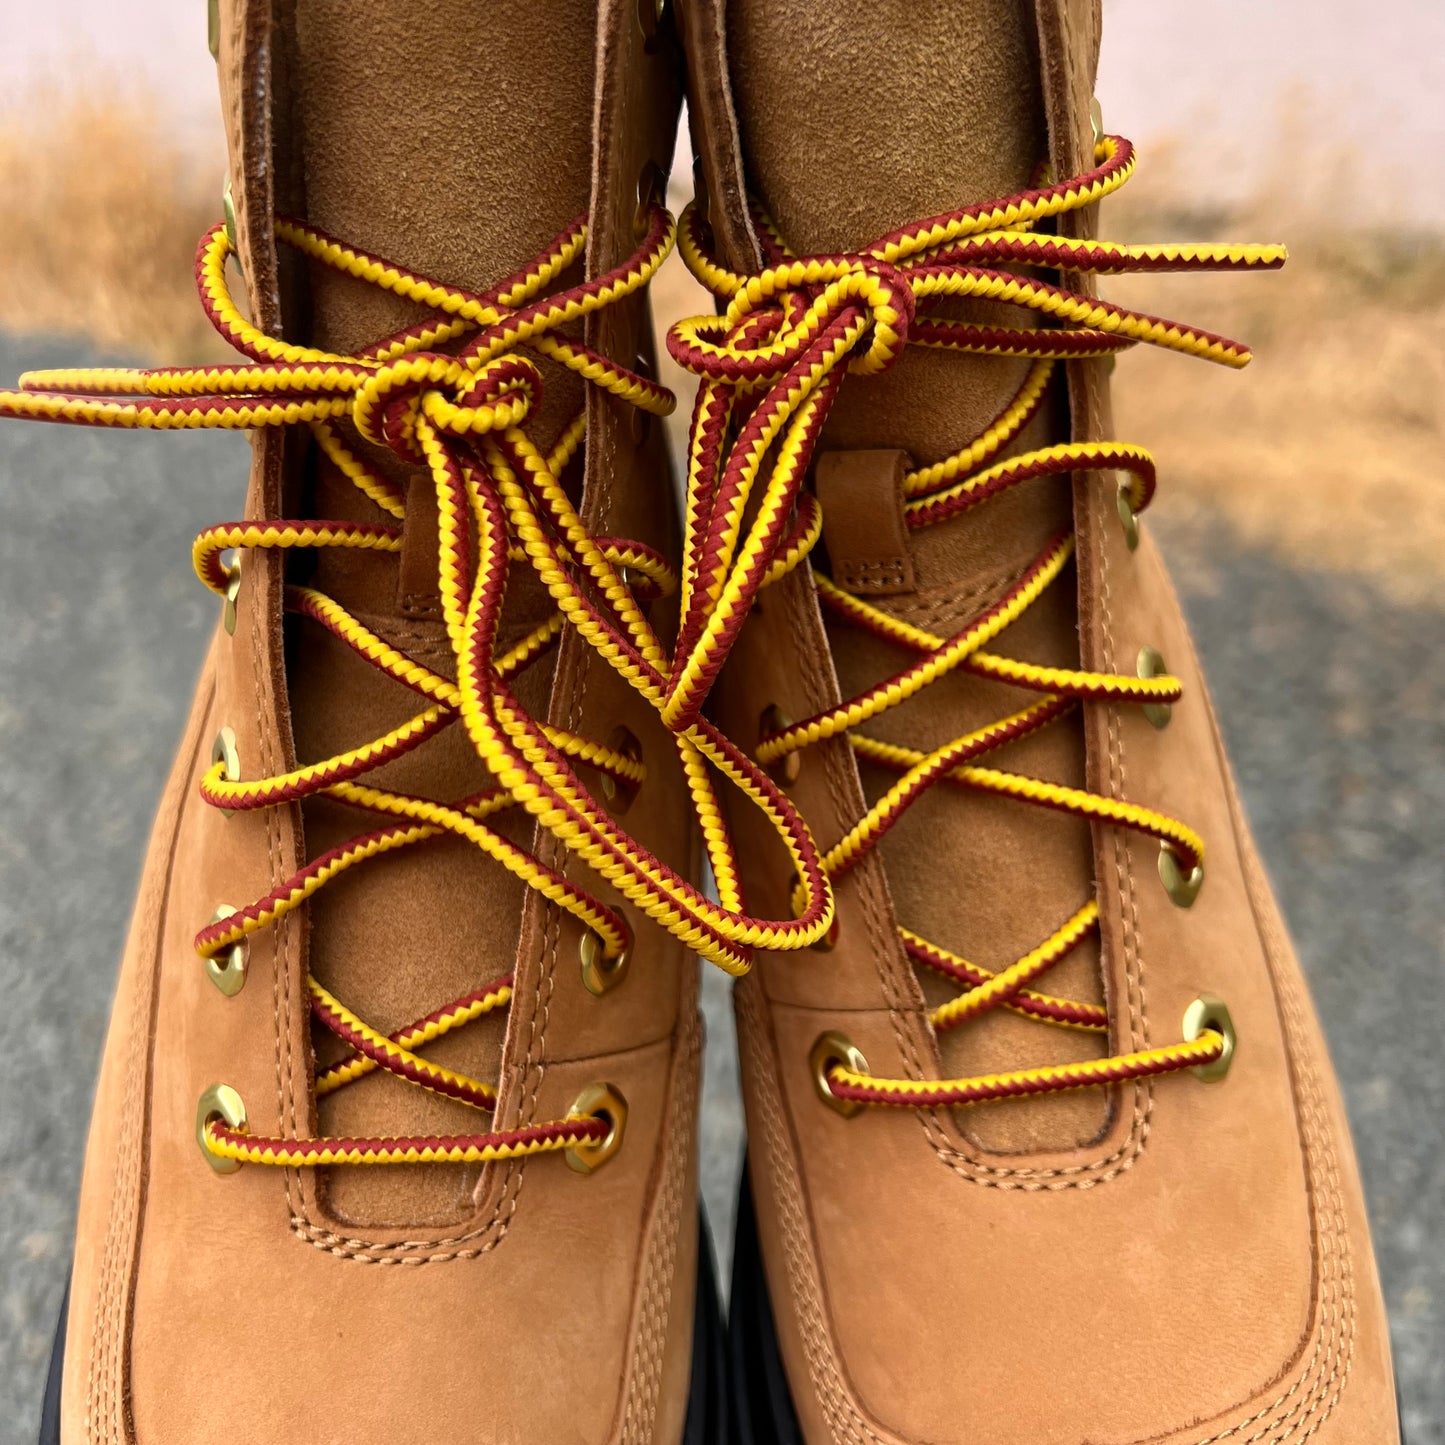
770	368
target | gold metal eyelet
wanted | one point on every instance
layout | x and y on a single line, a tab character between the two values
600	973
701	198
1182	889
1128	517
651	191
632	579
835	1048
618	793
603	1101
223	751
1152	664
783	770
233	592
639	422
222	1102
829	941
702	201
228	970
228	210
213	27
650	15
1208	1013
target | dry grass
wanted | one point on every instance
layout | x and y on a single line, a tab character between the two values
1327	448
100	212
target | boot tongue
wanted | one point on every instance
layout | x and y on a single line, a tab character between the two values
946	112
454	140
857	118
462	167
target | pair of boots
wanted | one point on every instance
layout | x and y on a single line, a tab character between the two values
395	1131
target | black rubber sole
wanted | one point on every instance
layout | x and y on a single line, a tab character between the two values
707	1392
50	1407
761	1405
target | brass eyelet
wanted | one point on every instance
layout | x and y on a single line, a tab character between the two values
213	28
222	1102
228	970
233	592
223	751
835	1048
829	941
639	421
600	973
650	14
783	770
1210	1013
701	197
228	210
1182	889
1128	517
1152	664
618	793
601	1101
651	191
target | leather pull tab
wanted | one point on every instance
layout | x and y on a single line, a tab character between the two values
419	594
864	527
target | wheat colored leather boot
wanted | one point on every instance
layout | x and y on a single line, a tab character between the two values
394	1134
1044	1143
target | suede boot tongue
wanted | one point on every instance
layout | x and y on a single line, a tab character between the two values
454	139
856	118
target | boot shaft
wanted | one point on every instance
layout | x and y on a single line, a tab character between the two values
313	1082
461	167
1161	1259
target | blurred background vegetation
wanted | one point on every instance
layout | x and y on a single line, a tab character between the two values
1328	452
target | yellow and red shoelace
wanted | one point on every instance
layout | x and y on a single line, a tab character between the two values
770	366
460	415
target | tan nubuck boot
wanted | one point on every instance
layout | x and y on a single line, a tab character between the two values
1044	1143
394	1135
